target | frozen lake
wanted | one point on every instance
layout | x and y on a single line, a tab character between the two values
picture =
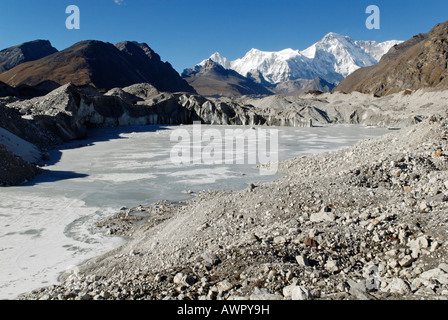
47	226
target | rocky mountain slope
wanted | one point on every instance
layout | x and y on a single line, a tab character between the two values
420	62
28	51
212	79
101	65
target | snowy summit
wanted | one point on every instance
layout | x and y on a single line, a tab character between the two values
333	58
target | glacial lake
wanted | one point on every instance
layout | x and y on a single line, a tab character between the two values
48	226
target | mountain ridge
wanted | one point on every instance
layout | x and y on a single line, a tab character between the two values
332	59
88	63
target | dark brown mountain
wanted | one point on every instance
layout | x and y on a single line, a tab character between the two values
212	79
27	51
100	65
417	63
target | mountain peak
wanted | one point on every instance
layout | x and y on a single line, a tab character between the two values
24	52
211	64
333	35
216	55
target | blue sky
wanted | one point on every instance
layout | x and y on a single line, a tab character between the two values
184	32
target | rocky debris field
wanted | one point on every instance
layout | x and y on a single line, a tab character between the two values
15	170
367	222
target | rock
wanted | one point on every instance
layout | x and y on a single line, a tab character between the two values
424	206
418	244
324	214
310	242
224	286
332	265
264	294
279	240
358	290
341	287
406	261
105	294
202	227
434	246
210	259
294	292
302	260
391	253
251	187
183	280
398	286
85	297
435	274
444	267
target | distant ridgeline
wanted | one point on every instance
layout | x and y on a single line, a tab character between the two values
319	68
87	63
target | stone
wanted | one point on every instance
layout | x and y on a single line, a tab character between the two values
424	207
85	297
224	286
323	215
210	259
444	267
398	286
183	280
419	243
391	253
302	260
332	265
279	240
294	292
358	290
406	261
310	242
434	246
435	274
264	294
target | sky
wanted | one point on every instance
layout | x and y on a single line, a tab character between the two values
184	32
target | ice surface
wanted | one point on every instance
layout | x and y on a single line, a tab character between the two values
28	151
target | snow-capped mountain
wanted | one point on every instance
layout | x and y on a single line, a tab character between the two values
219	59
332	59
